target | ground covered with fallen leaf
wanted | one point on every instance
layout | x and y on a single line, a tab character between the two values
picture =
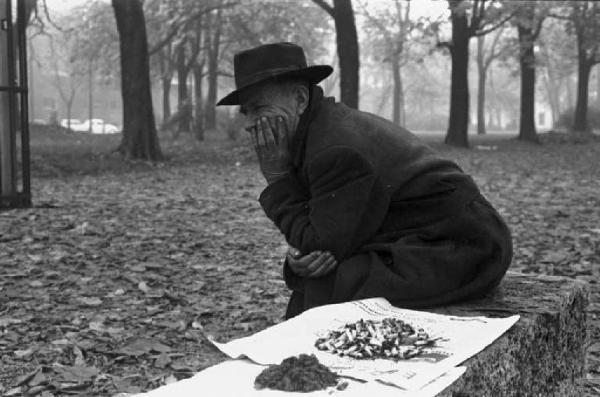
112	281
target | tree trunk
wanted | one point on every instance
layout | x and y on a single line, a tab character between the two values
580	122
458	126
30	7
139	130
213	69
527	131
347	49
492	102
397	90
198	70
90	97
570	95
402	102
166	97
69	104
398	106
598	85
481	70
182	88
166	77
552	86
30	75
553	97
383	99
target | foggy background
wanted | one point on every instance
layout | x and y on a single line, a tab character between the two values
74	63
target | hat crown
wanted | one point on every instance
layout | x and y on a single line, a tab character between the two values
267	60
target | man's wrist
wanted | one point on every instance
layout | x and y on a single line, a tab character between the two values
272	177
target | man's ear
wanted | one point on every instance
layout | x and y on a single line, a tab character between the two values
301	96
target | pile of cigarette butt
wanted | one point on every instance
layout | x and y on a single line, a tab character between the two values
389	338
298	374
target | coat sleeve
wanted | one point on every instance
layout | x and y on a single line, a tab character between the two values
341	209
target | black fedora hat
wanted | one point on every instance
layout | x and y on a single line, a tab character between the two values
268	61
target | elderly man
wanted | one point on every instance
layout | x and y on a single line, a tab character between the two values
367	209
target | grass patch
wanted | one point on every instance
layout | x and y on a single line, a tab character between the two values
58	152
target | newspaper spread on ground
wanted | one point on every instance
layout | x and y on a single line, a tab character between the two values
235	378
460	338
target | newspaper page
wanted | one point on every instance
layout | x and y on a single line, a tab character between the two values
235	378
460	338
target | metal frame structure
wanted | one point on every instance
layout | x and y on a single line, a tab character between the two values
16	190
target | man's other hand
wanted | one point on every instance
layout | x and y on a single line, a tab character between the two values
315	264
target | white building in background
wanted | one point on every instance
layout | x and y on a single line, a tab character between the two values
543	117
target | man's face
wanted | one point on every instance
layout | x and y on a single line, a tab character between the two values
269	100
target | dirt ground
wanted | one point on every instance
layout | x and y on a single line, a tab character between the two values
111	281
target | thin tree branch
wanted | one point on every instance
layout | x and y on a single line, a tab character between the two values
559	17
175	27
494	27
444	44
323	4
493	54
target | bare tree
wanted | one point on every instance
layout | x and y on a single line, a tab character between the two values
485	57
140	140
585	21
529	19
393	26
67	75
214	45
347	48
470	18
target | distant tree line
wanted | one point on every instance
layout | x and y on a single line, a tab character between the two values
194	42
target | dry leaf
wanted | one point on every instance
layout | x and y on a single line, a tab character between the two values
162	360
90	301
75	374
143	287
170	379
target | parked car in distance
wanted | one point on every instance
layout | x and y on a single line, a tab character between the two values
99	126
65	122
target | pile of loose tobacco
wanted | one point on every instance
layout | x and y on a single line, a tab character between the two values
367	339
300	374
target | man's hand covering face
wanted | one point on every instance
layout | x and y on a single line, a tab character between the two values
271	142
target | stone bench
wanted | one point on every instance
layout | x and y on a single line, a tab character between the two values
543	354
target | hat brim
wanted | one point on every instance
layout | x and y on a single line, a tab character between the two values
313	74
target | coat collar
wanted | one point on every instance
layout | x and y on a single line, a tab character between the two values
299	139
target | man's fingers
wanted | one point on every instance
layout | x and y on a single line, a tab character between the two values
294	253
254	136
307	260
318	262
260	135
300	264
315	264
268	137
282	133
324	269
274	130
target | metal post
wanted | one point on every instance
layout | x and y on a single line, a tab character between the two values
14	122
22	43
7	186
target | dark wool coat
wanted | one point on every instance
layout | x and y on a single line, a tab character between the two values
402	222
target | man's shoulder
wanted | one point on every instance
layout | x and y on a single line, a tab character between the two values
336	125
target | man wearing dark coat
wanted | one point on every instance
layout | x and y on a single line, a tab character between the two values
367	209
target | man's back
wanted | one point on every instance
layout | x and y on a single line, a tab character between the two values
404	165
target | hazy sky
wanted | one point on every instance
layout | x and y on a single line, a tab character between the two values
418	7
